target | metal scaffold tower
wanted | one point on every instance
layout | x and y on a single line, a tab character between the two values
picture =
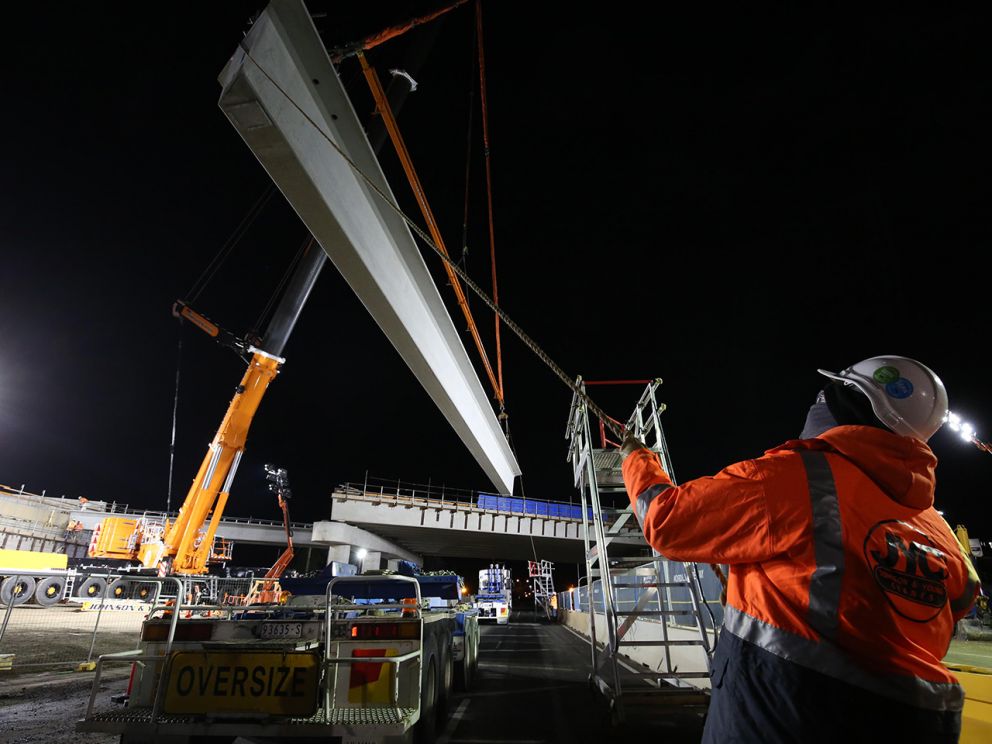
633	586
543	587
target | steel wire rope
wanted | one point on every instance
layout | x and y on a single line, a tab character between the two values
487	156
191	296
232	240
607	420
523	491
262	316
175	416
517	330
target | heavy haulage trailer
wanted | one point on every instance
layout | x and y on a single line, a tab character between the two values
367	660
32	577
495	597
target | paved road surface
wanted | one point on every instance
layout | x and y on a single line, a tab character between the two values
532	687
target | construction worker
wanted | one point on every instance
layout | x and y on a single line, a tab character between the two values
845	583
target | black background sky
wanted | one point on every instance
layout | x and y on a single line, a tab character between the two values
726	199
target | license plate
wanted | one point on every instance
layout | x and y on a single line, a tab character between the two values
221	682
280	630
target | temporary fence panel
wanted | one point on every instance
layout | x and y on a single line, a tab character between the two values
74	630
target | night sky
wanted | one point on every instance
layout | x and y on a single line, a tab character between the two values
727	200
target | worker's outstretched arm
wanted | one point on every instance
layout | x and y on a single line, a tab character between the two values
722	519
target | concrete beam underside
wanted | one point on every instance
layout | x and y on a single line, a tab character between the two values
337	535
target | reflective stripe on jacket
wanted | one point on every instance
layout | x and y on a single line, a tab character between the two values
839	561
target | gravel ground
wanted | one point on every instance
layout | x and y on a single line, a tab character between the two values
40	704
42	708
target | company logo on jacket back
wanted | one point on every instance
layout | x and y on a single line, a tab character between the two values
909	568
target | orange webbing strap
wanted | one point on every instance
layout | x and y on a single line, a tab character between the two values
489	184
389	120
392	32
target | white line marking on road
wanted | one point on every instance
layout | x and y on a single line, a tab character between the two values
453	722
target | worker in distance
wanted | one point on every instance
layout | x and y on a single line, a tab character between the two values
845	583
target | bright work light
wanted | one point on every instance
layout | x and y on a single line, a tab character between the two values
966	431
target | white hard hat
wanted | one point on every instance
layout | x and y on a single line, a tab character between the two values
905	395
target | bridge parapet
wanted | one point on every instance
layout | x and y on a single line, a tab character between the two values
455	500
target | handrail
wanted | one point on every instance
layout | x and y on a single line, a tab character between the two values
347	492
133	654
330	619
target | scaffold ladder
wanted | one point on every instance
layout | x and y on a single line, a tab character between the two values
543	587
635	569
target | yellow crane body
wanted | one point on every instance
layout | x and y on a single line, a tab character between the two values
185	541
188	541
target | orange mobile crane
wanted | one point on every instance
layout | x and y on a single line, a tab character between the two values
186	544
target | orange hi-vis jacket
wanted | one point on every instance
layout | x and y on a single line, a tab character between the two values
838	560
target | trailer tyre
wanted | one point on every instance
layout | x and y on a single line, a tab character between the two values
145	591
425	732
16	590
446	684
119	589
49	591
92	587
465	669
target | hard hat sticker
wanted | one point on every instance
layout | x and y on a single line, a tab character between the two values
885	375
901	388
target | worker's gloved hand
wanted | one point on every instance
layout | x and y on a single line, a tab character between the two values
630	443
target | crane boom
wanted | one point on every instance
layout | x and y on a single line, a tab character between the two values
185	545
209	492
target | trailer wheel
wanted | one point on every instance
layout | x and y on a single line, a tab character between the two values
49	591
144	591
16	590
447	680
119	589
465	670
92	586
425	732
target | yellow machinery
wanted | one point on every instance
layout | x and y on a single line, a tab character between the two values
186	544
976	718
184	539
30	560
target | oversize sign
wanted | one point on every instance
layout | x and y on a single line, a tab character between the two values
283	684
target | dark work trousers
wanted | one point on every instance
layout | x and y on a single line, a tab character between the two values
760	698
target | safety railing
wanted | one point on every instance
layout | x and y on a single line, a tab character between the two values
334	617
336	611
440	497
67	618
677	598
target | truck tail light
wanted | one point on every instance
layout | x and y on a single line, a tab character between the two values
384	631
